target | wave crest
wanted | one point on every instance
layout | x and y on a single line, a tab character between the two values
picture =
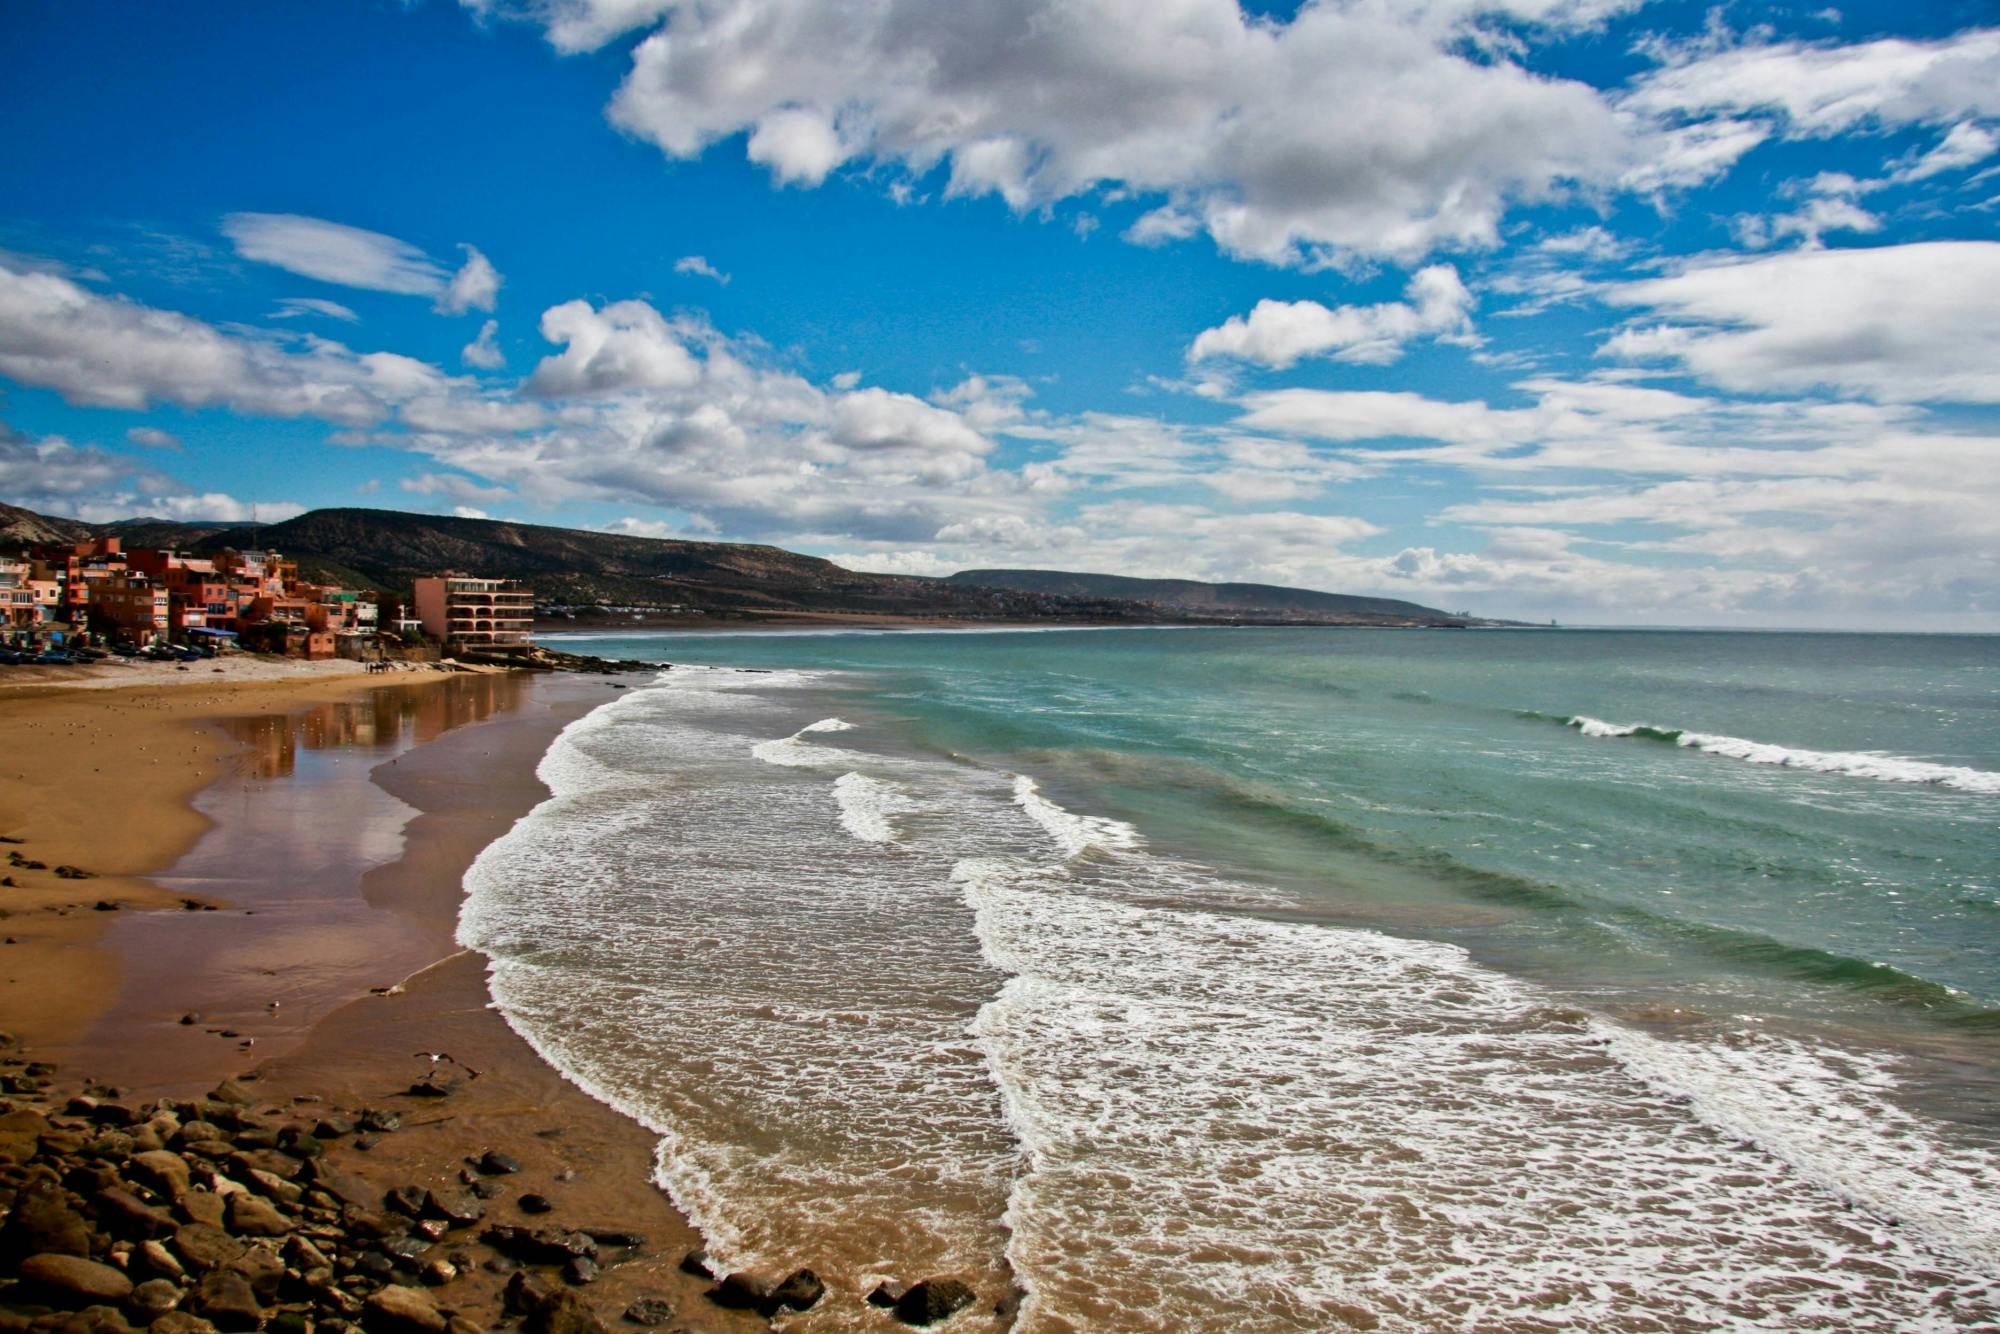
1851	763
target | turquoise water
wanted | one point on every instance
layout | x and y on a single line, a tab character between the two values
1264	968
1390	776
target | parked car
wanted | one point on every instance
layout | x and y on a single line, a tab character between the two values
54	658
12	659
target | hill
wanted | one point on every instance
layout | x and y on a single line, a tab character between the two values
572	566
19	526
1193	598
386	549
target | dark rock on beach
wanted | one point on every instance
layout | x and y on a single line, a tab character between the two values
650	1311
71	1280
933	1300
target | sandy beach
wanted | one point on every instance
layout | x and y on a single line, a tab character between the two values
277	864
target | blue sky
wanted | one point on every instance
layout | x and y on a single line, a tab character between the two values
1596	309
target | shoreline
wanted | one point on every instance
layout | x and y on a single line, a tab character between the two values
99	994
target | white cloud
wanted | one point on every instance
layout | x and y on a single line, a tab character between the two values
111	352
484	352
1899	323
152	437
1279	333
698	265
476	285
1818	88
1968	142
292	307
1825	213
353	257
626	345
1221	116
334	253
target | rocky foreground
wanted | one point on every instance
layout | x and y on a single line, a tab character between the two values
225	1213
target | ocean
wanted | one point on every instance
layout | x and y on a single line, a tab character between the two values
1294	979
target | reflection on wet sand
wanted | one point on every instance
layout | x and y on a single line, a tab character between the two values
390	718
301	831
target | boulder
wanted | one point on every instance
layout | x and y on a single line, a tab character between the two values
151	1257
42	1222
800	1292
650	1311
400	1310
248	1216
199	1206
747	1293
495	1163
72	1281
525	1294
933	1300
202	1248
21	1134
153	1299
164	1171
459	1208
232	1092
564	1313
126	1215
539	1246
274	1187
180	1322
225	1299
96	1320
261	1269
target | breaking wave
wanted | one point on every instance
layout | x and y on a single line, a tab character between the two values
1852	763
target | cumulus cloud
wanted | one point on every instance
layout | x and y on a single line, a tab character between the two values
1279	333
152	437
1219	116
484	352
476	285
354	257
625	345
1903	323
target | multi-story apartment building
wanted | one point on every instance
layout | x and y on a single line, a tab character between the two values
26	600
131	606
466	612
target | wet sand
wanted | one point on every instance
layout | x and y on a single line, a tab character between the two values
330	823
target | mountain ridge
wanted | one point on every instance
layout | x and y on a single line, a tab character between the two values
693	579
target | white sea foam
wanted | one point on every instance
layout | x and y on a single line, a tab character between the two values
868	807
799	751
1075	834
673	930
1852	763
1304	1126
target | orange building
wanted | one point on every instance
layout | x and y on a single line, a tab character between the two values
463	611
